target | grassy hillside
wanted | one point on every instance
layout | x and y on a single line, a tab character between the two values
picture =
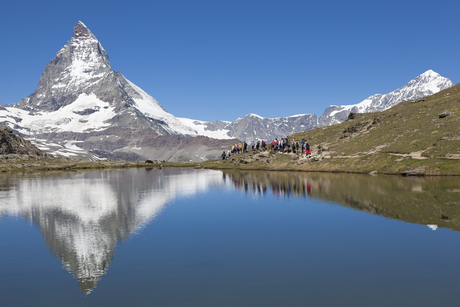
420	136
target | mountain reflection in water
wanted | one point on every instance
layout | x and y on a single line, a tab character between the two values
82	216
432	201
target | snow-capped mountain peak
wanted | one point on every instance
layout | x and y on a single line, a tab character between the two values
423	85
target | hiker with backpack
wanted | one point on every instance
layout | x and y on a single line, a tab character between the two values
307	150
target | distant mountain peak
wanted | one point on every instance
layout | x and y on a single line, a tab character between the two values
428	83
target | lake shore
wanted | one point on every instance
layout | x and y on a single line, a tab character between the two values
380	163
389	164
26	163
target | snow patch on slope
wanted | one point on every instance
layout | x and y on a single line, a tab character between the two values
200	128
65	118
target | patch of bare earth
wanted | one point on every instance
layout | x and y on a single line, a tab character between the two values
360	155
453	156
414	155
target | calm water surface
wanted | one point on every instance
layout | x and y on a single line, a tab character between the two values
184	237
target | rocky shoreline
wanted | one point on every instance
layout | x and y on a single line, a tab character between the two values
262	160
322	161
27	163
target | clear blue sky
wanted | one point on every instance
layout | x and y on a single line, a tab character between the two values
216	59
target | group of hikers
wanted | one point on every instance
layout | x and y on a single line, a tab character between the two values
283	146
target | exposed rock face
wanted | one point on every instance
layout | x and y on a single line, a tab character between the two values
80	66
426	84
13	144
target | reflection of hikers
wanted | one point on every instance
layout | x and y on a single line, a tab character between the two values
223	155
307	150
308	187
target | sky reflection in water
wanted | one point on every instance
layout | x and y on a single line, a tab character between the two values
183	237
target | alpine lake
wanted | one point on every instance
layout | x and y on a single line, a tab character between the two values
196	237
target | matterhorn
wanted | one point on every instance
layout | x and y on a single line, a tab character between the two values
82	104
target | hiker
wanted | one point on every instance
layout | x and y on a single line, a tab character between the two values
307	150
297	146
245	147
257	145
224	155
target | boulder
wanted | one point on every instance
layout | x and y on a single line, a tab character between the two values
444	114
